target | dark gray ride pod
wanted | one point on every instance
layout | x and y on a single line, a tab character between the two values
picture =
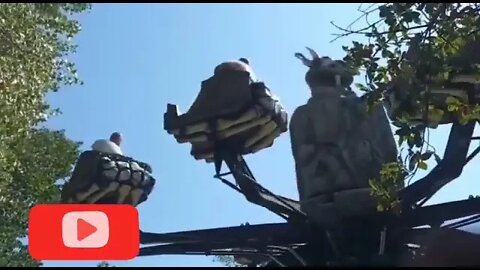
231	107
102	178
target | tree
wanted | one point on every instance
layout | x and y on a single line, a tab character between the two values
420	46
35	40
42	157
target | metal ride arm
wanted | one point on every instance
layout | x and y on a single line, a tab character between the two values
209	250
279	232
455	158
247	185
265	240
436	214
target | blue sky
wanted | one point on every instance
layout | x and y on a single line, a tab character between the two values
136	58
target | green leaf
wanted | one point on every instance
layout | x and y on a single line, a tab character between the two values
435	115
384	11
401	139
427	155
422	165
418	140
453	101
410	141
361	87
463	119
411	16
453	108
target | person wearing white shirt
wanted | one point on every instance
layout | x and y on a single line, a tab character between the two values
111	146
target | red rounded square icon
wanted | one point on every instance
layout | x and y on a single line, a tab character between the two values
83	232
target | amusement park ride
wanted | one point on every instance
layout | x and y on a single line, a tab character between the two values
335	222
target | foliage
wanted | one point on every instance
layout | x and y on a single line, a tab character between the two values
42	157
227	261
419	46
385	188
104	264
34	42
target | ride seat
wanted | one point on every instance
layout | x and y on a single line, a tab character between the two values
100	177
230	107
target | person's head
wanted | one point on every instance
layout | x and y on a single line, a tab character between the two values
116	138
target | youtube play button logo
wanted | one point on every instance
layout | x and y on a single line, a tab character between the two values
83	232
85	229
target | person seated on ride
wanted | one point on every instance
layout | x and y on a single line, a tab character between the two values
233	108
105	175
111	146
